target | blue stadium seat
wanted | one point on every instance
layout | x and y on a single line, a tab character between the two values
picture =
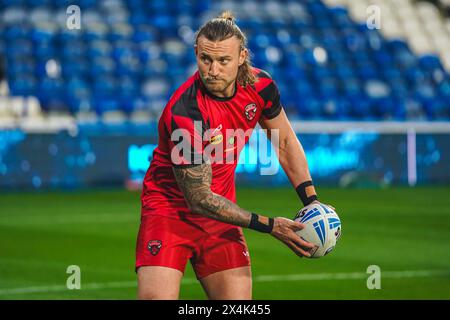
145	33
102	66
106	104
444	89
51	94
13	3
77	87
310	108
436	108
23	85
360	107
78	67
20	66
99	49
44	51
87	3
104	86
39	3
19	48
15	32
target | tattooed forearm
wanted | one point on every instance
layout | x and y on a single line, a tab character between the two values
195	183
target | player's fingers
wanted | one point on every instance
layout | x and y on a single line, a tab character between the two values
299	250
297	226
299	241
293	248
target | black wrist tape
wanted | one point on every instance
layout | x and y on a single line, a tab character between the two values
306	192
255	224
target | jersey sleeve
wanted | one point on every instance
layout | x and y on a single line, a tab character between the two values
268	91
186	129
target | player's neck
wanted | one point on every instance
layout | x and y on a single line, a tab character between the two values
228	92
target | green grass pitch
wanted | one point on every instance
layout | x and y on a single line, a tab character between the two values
405	231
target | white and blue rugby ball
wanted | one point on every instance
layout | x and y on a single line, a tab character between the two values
322	227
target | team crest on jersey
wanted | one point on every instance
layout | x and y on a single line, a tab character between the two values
250	111
154	246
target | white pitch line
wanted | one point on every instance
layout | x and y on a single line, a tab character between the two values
65	219
263	278
351	275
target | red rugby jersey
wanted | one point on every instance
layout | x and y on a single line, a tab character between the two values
208	125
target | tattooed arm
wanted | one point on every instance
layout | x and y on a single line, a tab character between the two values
195	183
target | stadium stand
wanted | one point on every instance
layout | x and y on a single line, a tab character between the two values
129	56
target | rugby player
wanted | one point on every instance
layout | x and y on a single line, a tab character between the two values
189	209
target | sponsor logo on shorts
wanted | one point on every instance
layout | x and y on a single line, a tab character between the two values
154	246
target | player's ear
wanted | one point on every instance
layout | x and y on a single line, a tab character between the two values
195	49
242	56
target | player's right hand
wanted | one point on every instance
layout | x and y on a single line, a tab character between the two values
284	230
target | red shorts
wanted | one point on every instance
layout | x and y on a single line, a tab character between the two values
211	246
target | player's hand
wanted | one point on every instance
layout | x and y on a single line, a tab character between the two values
284	230
318	202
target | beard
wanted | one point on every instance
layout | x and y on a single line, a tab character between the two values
216	85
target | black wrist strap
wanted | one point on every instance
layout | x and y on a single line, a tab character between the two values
306	192
255	224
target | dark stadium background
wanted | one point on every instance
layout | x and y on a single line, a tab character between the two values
366	85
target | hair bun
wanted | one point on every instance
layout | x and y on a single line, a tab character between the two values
227	15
